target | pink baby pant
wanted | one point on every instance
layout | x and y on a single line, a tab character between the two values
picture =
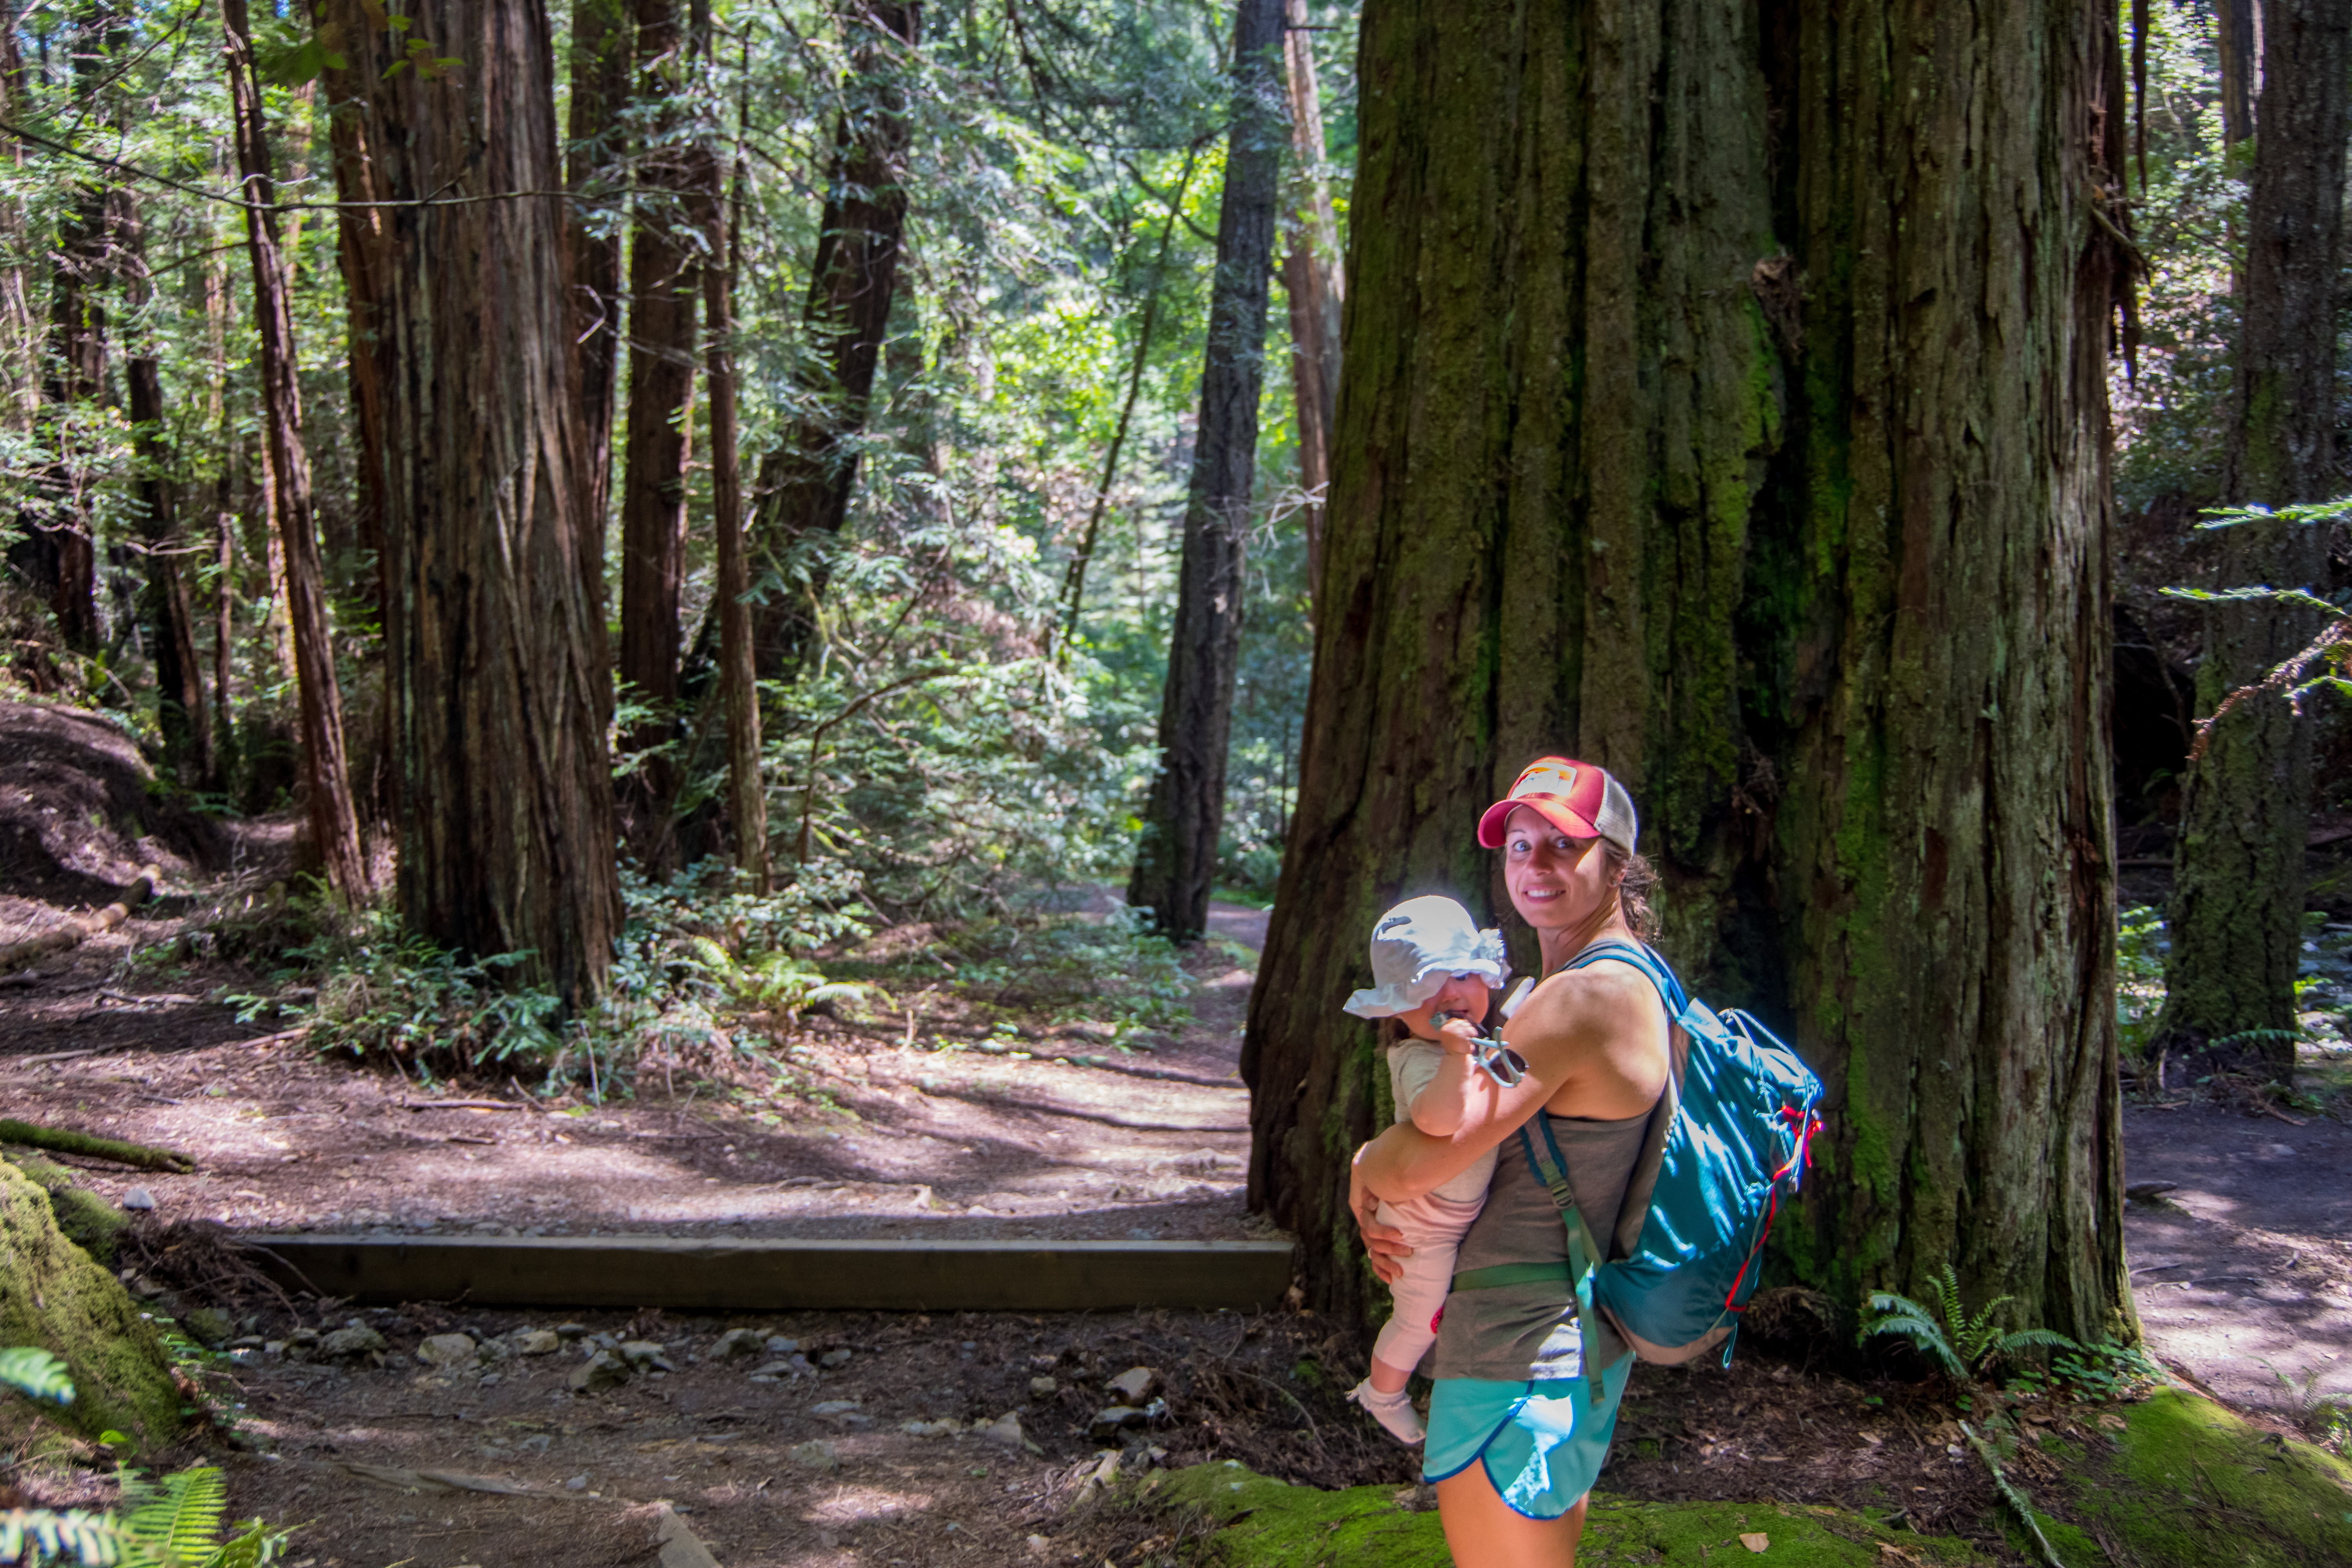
1432	1228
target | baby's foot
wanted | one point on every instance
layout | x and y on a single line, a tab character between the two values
1393	1410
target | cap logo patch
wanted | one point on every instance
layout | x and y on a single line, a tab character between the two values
1539	780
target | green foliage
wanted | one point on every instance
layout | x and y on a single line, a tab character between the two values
1111	971
2101	1373
2140	976
1965	1345
36	1373
36	1535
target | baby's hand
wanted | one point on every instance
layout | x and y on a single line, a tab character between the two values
1458	1035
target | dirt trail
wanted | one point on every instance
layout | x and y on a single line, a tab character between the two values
1059	1138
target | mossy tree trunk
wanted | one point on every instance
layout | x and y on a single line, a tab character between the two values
1725	404
54	1295
2245	809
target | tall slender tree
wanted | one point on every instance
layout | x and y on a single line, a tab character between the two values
807	479
1176	859
1725	404
602	52
2238	870
494	625
664	284
326	768
1312	278
182	714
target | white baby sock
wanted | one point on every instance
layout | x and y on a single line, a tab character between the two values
1393	1410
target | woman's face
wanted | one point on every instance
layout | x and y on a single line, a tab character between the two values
1556	881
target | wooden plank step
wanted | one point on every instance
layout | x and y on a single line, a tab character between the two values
727	1274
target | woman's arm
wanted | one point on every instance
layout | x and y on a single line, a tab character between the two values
1568	1024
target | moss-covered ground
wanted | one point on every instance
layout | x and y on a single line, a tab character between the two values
2185	1483
2189	1484
1252	1521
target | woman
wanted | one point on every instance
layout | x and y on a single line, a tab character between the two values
1516	1432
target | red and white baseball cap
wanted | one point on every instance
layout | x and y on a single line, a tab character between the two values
1580	799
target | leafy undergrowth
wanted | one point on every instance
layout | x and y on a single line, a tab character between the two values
1249	1521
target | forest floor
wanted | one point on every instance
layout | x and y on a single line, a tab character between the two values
896	1441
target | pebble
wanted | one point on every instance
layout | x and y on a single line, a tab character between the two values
644	1356
815	1455
538	1342
576	1484
737	1344
601	1370
832	1407
834	1358
1038	1545
1134	1385
351	1340
1113	1419
139	1198
1044	1387
946	1427
1005	1431
777	1344
447	1351
570	1331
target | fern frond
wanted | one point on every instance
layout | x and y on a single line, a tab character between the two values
175	1522
1905	1318
33	1534
34	1372
1948	1288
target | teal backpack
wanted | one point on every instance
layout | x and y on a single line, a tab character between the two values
1730	1134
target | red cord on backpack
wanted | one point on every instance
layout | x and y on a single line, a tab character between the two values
1802	1155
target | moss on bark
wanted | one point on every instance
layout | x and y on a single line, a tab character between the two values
88	1221
53	1295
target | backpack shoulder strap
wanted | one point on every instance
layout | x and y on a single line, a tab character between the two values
1643	957
1601	1347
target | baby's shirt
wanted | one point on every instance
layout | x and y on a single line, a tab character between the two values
1413	1068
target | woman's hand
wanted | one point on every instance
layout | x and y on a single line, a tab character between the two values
1385	1244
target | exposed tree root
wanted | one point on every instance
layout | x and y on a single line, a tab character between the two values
89	1146
74	929
204	1260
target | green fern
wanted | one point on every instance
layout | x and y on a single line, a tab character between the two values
1964	1345
41	1535
175	1522
35	1373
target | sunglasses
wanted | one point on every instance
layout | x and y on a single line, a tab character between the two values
1495	1060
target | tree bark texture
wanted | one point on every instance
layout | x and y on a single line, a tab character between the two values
602	56
1316	286
2237	40
1725	404
181	713
326	769
2238	870
664	282
1176	856
494	625
806	482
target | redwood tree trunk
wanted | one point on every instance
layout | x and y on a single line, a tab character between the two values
806	481
1780	487
663	284
494	628
326	770
2237	869
1176	856
747	793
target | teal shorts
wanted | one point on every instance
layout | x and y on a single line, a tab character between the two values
1542	1443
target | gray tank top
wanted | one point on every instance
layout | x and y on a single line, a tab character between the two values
1514	1332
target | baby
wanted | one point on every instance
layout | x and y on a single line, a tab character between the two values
1436	971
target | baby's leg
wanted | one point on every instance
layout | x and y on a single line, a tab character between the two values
1435	1236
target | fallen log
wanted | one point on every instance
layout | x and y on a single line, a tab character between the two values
74	929
89	1146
